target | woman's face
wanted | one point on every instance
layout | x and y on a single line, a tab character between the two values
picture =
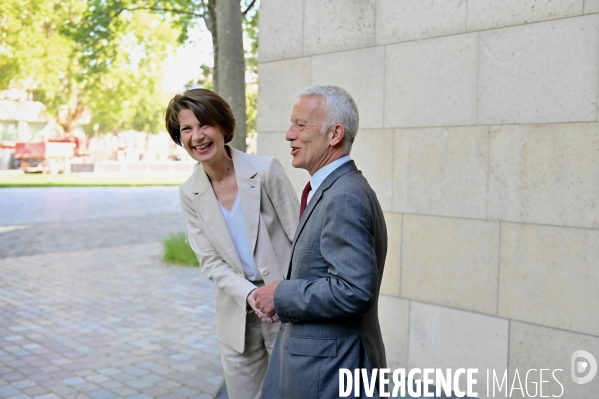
203	143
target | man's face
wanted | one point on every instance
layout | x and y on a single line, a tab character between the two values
308	146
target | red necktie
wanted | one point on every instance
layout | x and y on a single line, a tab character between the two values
304	201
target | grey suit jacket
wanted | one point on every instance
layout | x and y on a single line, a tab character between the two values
329	306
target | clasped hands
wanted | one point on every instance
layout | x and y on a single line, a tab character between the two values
262	300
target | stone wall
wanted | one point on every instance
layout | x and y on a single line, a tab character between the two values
480	134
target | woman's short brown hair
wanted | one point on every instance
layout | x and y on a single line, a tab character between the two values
208	107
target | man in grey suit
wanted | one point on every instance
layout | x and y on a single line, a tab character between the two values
328	304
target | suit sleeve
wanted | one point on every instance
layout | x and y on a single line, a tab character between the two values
211	263
347	246
283	198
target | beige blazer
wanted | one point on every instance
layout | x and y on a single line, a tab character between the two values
271	210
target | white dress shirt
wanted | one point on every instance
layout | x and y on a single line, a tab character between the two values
323	172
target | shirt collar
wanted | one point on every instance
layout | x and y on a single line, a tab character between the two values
323	172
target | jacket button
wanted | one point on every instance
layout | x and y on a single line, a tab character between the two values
265	273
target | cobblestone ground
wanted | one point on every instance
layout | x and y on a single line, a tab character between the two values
88	309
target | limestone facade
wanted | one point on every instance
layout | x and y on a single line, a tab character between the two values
480	135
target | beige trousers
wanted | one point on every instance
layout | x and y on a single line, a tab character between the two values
244	372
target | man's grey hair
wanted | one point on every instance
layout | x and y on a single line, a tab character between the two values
339	108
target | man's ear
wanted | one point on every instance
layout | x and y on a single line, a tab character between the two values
337	133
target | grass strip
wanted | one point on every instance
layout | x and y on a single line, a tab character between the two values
178	251
90	180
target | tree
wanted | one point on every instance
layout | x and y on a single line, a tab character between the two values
46	51
32	47
126	72
231	67
212	77
223	18
250	27
99	55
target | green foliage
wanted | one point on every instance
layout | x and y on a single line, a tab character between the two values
251	108
204	80
205	77
34	51
106	23
103	56
250	27
178	251
78	56
122	54
128	93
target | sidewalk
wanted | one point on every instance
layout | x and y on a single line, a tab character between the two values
105	317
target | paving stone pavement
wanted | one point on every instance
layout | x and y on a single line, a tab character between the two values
60	204
88	309
76	235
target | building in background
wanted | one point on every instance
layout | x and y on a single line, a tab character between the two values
134	146
35	142
480	134
20	120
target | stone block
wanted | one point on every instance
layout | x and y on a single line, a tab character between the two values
536	347
337	25
392	274
278	89
543	72
545	174
275	145
417	19
448	338
373	153
591	6
441	171
451	262
486	14
431	82
281	29
394	316
549	276
360	72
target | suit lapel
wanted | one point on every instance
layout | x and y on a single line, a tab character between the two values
330	179
249	192
209	210
328	182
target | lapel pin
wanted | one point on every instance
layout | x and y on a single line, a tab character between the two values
253	186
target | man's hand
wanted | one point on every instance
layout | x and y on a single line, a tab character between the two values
251	301
265	300
267	319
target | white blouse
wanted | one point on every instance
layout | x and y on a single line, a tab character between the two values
236	224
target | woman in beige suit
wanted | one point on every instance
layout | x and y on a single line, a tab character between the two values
241	213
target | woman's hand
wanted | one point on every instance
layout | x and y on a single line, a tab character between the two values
252	302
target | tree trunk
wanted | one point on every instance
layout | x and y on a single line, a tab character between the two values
74	111
210	20
229	75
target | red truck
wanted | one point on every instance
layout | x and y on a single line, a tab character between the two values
53	155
